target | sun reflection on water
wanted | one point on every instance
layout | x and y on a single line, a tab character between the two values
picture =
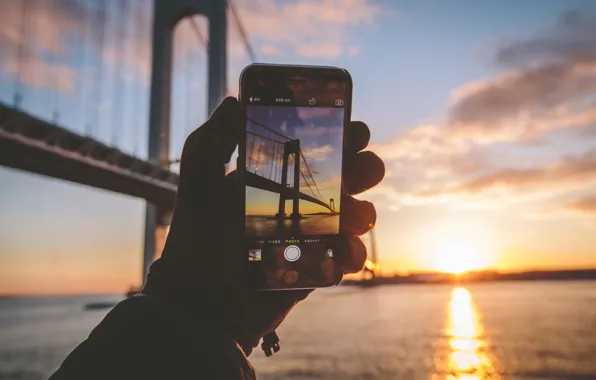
468	359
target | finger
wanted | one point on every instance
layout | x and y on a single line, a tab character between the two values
357	217
363	171
359	136
216	140
351	257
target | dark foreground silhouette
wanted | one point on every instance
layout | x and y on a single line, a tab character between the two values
195	319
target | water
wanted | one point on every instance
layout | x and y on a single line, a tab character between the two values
513	330
308	225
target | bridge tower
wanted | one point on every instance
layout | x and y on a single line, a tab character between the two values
332	204
167	13
290	148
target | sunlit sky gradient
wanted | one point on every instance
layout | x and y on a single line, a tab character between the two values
484	112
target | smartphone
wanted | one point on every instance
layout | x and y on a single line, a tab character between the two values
290	164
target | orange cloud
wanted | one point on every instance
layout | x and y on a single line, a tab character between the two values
569	172
585	205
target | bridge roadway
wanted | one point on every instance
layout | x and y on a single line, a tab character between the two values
263	183
36	146
30	144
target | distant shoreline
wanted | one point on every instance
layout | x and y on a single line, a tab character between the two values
480	276
414	278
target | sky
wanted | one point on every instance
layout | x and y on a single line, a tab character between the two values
484	113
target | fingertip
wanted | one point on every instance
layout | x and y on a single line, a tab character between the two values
229	105
358	216
359	136
362	172
352	257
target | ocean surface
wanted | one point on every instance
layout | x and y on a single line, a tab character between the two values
508	330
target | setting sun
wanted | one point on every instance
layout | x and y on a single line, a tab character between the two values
460	256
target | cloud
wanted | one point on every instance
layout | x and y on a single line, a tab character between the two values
308	29
568	172
50	47
316	29
22	50
585	205
319	153
572	38
41	74
551	84
581	205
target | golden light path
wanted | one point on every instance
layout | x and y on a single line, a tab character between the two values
468	359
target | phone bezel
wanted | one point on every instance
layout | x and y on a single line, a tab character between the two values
302	70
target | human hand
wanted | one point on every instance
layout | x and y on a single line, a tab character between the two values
202	264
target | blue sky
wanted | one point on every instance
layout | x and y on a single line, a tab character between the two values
473	144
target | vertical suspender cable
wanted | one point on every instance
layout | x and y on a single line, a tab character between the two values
79	64
100	23
56	63
35	76
18	96
117	44
87	68
136	37
128	130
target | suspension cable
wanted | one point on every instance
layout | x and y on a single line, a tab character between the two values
197	30
18	96
309	173
79	62
98	85
116	104
56	78
86	77
128	90
242	31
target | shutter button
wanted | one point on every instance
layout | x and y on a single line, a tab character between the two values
292	253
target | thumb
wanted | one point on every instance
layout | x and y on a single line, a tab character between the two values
214	142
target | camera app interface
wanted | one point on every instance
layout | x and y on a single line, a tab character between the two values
294	144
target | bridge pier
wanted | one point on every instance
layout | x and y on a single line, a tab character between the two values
167	13
290	147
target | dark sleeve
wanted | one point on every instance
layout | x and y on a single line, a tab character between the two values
142	339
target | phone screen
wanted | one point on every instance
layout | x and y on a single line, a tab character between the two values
293	152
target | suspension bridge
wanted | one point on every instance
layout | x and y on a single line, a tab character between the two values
270	157
103	93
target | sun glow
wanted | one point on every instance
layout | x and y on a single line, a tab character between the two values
460	254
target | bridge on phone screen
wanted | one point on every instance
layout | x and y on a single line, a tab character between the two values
102	93
270	155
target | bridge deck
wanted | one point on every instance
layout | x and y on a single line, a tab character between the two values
36	146
262	183
30	144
